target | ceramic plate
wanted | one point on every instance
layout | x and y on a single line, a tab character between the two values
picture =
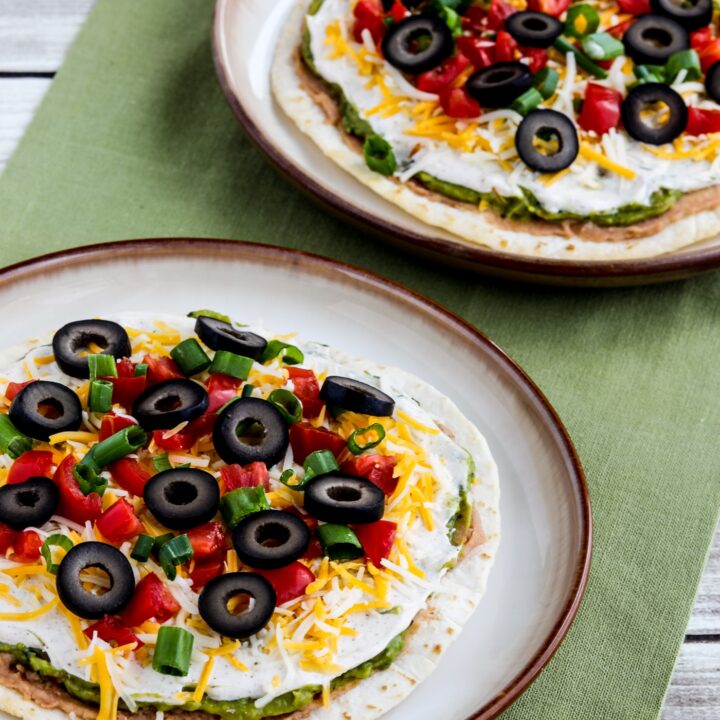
539	576
244	36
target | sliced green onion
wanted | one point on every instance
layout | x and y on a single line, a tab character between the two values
247	390
12	441
287	475
89	478
117	446
687	60
546	81
141	370
159	541
451	19
288	404
602	46
319	462
236	504
211	314
175	552
649	73
526	102
190	357
161	462
339	542
227	363
101	366
581	20
291	355
173	651
582	60
143	547
100	396
61	541
356	448
379	155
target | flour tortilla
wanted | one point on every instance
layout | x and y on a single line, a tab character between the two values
696	217
433	630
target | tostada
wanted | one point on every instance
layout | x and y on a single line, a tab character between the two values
578	131
199	519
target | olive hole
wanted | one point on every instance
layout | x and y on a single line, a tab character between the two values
657	37
240	603
341	493
28	498
547	141
235	334
84	342
50	409
168	403
536	24
180	492
418	42
272	535
250	432
655	114
96	580
498	76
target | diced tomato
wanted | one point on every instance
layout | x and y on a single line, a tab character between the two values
479	51
601	109
701	37
307	388
376	468
27	547
498	13
398	11
203	572
537	56
289	581
14	388
377	539
440	77
702	122
709	54
125	368
119	523
221	389
315	549
7	538
505	47
126	389
150	600
551	7
111	630
304	439
162	368
635	7
130	475
111	424
369	15
73	504
177	441
474	19
208	541
252	475
617	31
458	104
33	463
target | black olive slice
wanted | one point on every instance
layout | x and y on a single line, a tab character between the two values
534	29
548	126
219	335
87	604
645	96
417	44
691	14
28	504
251	430
253	590
499	84
652	39
344	499
170	402
182	498
356	396
270	539
712	82
73	339
44	408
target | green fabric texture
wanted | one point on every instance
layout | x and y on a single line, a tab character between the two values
135	139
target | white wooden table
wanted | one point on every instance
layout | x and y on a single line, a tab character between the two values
34	35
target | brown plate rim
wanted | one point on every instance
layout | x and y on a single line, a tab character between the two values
647	270
188	247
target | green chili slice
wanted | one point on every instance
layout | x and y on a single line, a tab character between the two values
238	503
100	396
101	366
356	448
291	355
379	155
602	46
58	540
319	462
582	60
339	542
12	441
175	552
227	363
526	102
190	357
546	81
211	314
143	547
581	20
173	651
288	404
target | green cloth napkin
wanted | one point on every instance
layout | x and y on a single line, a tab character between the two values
135	139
